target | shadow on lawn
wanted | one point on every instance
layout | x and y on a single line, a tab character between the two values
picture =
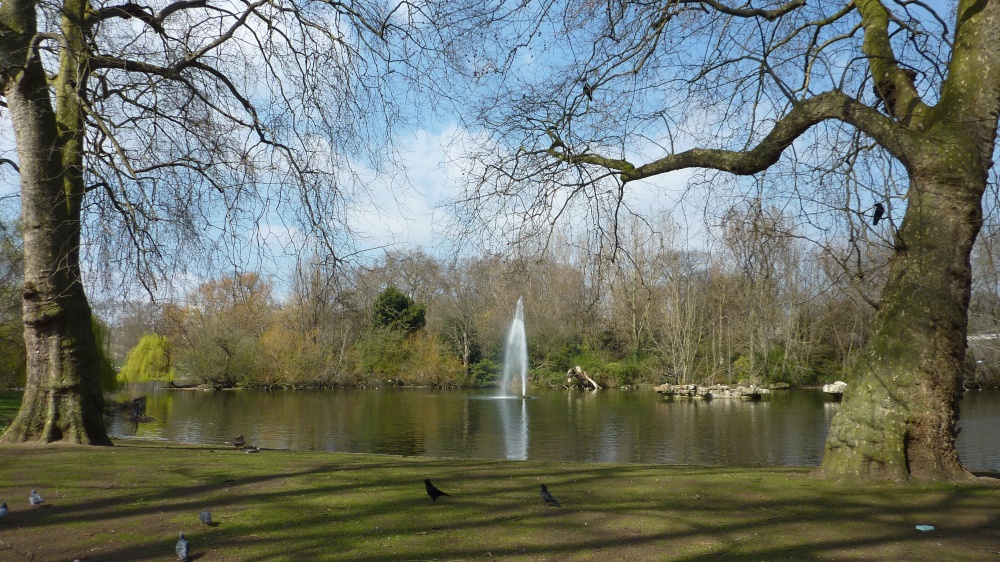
298	507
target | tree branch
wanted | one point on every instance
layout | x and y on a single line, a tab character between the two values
829	105
144	13
894	85
769	15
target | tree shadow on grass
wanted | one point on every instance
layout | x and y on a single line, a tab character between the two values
348	507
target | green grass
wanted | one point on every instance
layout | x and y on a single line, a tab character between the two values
10	403
127	503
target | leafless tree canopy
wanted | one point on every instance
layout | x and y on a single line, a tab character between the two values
589	101
217	130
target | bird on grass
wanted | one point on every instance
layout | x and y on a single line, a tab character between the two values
433	492
182	548
205	517
547	497
251	449
878	214
35	499
3	510
239	441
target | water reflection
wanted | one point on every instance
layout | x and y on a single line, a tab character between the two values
979	423
514	425
788	429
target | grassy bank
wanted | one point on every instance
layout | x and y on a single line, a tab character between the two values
127	503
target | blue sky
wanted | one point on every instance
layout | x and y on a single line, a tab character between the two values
407	215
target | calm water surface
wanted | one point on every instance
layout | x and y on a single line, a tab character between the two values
788	429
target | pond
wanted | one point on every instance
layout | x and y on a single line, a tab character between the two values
786	429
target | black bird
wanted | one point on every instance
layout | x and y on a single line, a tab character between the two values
588	91
239	441
182	548
548	497
878	214
433	492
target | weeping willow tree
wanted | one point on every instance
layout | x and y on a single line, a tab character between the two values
177	135
149	360
822	108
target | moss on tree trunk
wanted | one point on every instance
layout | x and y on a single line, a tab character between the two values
62	398
899	412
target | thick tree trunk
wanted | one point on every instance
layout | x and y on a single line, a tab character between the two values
62	399
897	420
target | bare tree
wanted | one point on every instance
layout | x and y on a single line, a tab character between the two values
826	108
171	136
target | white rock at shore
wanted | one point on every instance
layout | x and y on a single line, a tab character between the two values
711	391
837	387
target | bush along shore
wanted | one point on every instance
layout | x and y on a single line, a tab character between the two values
129	502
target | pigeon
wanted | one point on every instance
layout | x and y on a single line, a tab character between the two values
433	492
239	441
877	215
182	548
205	517
251	449
35	499
548	497
3	510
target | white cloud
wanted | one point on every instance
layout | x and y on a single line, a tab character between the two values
405	213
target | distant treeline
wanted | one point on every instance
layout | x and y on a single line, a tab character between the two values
763	307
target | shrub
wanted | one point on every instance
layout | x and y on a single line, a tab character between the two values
484	373
383	352
394	310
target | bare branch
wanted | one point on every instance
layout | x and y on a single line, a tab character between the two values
769	15
831	105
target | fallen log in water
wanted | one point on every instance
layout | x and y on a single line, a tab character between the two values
579	378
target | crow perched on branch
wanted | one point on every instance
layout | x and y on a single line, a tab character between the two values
878	214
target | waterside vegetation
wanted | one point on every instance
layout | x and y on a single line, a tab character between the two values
774	311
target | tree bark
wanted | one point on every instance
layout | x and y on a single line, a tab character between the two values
62	399
898	416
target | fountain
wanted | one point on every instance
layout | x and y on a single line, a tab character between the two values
515	361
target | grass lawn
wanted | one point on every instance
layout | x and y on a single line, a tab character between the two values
10	403
128	503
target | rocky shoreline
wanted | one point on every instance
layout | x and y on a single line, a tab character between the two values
710	392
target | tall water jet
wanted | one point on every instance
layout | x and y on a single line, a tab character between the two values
515	363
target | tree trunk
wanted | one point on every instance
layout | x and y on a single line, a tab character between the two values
62	399
897	420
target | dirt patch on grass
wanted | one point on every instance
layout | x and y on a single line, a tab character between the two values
127	503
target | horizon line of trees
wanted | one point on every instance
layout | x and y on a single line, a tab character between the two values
764	307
